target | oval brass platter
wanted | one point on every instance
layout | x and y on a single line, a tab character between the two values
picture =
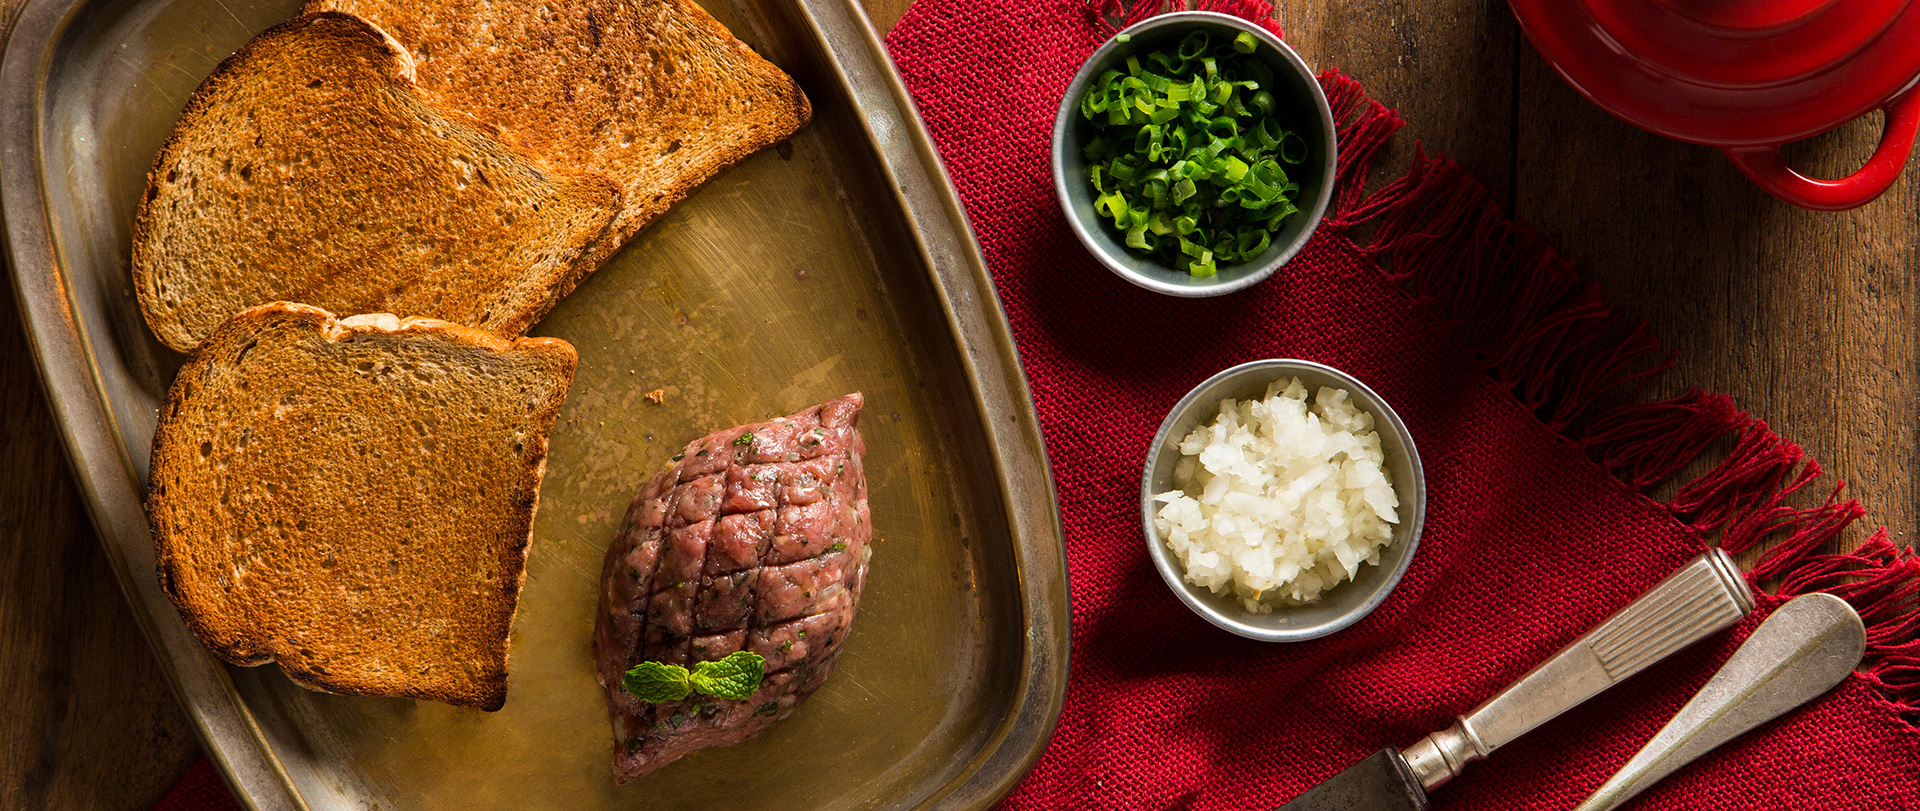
839	262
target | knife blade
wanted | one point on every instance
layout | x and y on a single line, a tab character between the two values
1382	782
1704	597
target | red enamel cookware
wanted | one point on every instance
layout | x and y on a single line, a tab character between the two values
1746	76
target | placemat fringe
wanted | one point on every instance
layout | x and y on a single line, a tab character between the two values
1644	444
1550	337
1732	498
1113	15
1362	127
1743	501
1537	327
1882	581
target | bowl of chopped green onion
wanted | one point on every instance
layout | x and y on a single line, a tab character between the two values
1193	154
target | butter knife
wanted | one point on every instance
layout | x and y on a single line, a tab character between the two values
1703	597
1803	650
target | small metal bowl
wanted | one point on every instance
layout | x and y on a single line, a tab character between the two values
1299	92
1338	607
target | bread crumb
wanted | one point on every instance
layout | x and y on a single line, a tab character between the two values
657	396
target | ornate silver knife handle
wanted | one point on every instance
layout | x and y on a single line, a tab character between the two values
1703	597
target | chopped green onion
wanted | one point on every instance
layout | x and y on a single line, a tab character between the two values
1268	133
1183	190
1193	47
1234	169
1262	102
1187	150
1294	150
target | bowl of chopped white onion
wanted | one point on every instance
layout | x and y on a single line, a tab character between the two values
1282	500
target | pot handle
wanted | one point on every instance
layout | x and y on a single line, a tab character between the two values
1766	166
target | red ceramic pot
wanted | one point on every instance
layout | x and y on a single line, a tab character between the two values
1746	76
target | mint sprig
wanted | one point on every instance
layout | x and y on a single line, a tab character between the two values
735	677
653	681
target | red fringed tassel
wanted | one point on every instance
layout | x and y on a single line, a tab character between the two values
1114	15
1744	499
1882	582
1808	530
1647	443
1362	127
1611	367
1897	679
1744	483
1539	330
1839	573
1255	11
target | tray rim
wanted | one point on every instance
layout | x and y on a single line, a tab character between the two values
65	357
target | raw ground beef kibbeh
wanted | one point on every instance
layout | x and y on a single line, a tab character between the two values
755	539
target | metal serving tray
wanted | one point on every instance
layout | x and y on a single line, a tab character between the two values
839	262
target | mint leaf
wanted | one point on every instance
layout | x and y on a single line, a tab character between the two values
735	677
653	681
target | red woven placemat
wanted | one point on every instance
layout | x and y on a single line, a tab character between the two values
200	790
1490	349
1534	533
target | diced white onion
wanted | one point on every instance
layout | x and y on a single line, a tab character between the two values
1280	499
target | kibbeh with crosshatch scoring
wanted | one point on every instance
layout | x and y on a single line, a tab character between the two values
753	539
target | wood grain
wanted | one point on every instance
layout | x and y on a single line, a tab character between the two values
1445	65
90	722
1807	319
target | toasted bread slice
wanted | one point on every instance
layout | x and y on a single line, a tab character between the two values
309	168
655	93
353	498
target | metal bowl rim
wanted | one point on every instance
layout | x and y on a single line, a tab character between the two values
1174	577
1314	214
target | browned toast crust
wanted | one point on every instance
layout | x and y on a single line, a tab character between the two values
655	93
310	167
353	498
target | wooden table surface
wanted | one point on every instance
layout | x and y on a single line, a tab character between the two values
1807	319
